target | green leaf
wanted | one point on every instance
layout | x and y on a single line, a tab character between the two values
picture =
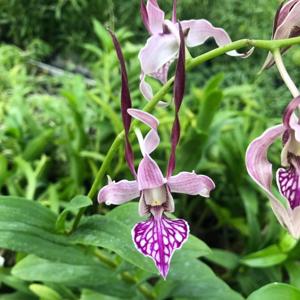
214	83
287	243
102	34
91	295
36	147
224	258
192	279
75	204
3	169
111	234
17	296
44	292
267	257
293	269
95	276
276	291
13	282
16	209
250	201
208	109
28	227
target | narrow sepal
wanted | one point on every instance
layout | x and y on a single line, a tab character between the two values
125	104
178	93
158	238
174	13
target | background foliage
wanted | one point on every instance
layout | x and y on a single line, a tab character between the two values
57	124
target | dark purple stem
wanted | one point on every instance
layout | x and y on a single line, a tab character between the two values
178	93
125	104
174	14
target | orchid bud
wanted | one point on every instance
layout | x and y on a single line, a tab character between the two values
286	25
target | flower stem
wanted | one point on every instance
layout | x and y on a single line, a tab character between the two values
284	73
270	45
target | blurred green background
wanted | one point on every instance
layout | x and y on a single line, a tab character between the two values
60	112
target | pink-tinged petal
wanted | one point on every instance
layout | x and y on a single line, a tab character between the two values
125	104
151	141
147	91
158	51
201	30
290	120
291	21
149	174
178	93
260	170
119	192
294	228
286	26
158	238
191	184
155	17
282	12
144	15
145	88
144	117
258	166
294	124
162	73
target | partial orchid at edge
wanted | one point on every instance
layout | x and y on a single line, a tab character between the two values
286	25
288	176
162	47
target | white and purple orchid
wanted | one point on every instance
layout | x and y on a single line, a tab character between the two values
159	236
286	25
162	47
259	168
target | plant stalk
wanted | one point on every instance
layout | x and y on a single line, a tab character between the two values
284	73
270	45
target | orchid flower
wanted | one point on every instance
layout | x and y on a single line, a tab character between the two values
159	236
286	25
259	168
162	47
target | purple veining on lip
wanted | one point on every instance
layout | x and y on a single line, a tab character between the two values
155	197
288	182
288	176
158	238
125	104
